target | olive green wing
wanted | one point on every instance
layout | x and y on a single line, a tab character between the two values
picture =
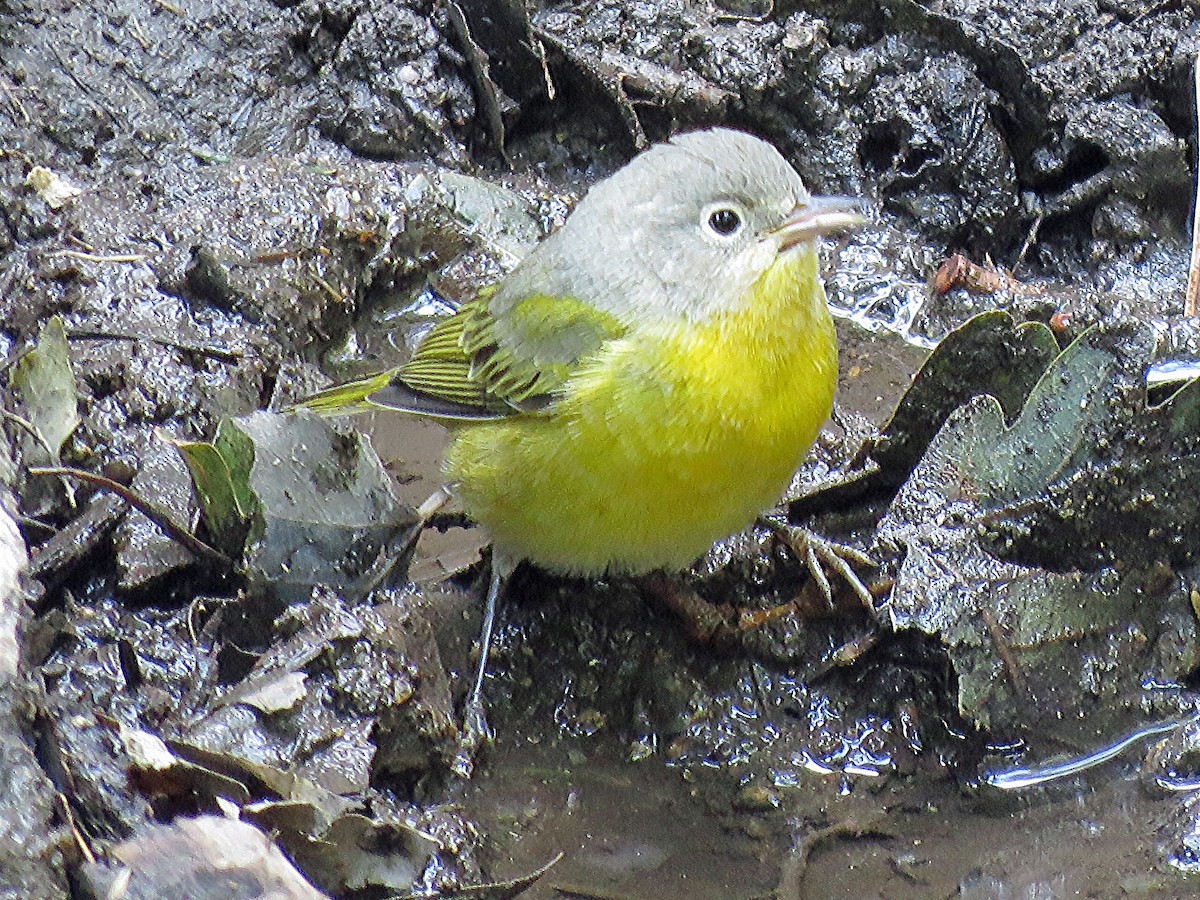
475	365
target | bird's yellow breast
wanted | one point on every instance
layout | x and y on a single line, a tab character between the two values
670	439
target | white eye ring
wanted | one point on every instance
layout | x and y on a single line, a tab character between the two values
723	220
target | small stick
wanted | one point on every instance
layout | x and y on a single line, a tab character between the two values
222	354
100	257
30	429
169	526
1193	286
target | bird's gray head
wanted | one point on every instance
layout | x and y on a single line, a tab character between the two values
681	231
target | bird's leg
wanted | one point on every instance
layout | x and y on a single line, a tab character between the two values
818	552
433	504
476	731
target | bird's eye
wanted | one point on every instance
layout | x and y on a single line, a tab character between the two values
724	221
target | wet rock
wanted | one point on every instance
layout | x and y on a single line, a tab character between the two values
33	843
154	105
929	141
13	559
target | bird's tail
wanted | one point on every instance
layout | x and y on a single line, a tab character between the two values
346	399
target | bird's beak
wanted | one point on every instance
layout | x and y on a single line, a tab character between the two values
819	216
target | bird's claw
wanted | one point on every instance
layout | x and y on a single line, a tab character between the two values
819	552
476	733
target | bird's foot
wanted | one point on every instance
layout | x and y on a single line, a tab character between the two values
476	734
819	553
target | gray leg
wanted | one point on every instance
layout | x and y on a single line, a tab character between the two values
476	732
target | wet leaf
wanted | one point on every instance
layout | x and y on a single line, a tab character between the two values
1032	647
987	355
157	771
302	502
282	692
200	858
324	806
146	554
324	509
358	853
502	890
47	385
224	517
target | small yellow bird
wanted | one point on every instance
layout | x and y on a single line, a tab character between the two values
648	379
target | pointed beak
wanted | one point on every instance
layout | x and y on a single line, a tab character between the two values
817	217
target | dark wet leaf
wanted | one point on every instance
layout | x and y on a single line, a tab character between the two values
145	554
315	504
501	890
989	354
1033	647
1129	489
326	512
365	687
47	384
159	772
323	806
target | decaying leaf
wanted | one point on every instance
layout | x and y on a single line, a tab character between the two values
157	771
1061	651
47	384
357	853
989	354
201	858
223	504
305	503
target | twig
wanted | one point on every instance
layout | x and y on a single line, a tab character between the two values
159	517
99	257
80	842
219	353
16	104
31	429
1029	240
28	523
329	289
586	892
1193	286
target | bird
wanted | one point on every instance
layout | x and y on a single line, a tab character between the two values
647	380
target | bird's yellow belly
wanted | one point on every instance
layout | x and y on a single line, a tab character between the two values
661	447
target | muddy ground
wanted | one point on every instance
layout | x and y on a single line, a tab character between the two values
210	209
